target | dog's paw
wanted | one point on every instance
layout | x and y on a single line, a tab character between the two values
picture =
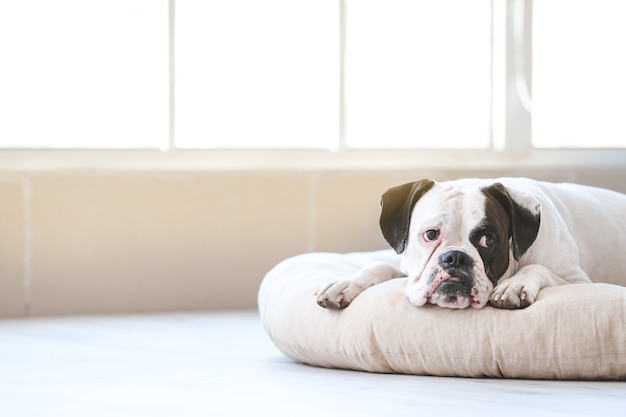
338	294
512	294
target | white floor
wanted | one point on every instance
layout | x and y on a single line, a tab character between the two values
225	365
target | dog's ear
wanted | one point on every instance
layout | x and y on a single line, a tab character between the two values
397	205
525	213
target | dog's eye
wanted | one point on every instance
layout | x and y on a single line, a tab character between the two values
431	235
486	241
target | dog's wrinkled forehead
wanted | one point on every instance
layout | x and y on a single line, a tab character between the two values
445	206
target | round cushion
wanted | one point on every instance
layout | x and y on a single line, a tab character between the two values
570	332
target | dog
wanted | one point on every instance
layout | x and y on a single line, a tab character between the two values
474	242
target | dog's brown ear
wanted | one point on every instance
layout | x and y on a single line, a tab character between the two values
397	205
525	216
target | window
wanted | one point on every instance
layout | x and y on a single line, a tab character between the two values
579	88
83	74
312	74
417	74
257	74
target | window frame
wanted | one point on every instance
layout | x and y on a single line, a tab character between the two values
511	144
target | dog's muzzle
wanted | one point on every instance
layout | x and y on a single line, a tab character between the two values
453	280
451	284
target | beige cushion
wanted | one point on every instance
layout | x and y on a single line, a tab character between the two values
570	332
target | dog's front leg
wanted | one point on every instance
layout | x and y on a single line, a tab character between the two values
520	290
339	294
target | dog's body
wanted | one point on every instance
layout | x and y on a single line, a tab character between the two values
472	242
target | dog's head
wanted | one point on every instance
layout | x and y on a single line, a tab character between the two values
458	238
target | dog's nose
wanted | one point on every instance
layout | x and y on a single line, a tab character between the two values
455	259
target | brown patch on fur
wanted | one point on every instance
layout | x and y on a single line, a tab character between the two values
523	226
496	224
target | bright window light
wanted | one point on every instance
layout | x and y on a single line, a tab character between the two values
257	74
84	74
305	74
579	86
418	73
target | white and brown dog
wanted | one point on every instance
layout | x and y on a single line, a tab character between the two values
473	242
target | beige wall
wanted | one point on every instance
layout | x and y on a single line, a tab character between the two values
115	242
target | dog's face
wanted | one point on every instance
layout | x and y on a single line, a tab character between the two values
457	239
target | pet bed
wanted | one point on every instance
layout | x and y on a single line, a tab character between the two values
570	332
